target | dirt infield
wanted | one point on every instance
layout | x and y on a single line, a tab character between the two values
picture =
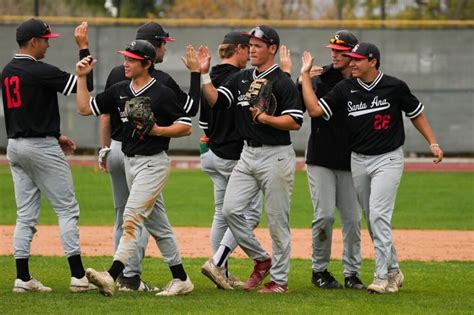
422	245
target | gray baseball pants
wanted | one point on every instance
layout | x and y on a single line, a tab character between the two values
329	189
376	180
270	169
116	168
146	178
219	170
38	165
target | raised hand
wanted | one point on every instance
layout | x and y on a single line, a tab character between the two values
285	60
306	63
204	57
81	36
85	65
191	60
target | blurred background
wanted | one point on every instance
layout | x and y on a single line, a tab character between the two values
427	43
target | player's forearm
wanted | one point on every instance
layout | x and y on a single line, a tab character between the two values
105	132
309	97
284	122
195	93
422	125
210	93
82	97
174	131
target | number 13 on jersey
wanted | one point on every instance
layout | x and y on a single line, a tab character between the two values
12	91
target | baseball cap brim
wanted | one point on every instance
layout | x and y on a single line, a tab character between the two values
50	35
338	47
354	55
168	39
130	55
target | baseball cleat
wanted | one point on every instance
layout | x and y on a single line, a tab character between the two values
395	281
260	271
177	287
31	285
273	287
216	275
325	280
234	282
379	286
128	284
353	282
103	280
81	285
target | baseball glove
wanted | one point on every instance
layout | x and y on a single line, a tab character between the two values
260	96
138	110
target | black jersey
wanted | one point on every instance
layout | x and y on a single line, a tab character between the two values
373	112
328	143
164	106
233	92
190	103
30	100
219	124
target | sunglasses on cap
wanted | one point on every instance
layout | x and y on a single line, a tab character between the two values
259	33
338	41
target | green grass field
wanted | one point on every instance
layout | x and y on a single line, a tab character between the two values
426	200
430	288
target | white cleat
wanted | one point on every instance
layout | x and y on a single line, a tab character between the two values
177	287
31	285
216	275
103	280
81	285
395	281
378	286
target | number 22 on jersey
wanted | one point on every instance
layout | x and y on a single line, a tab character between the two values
12	91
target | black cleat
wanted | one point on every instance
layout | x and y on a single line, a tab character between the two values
325	280
126	284
353	282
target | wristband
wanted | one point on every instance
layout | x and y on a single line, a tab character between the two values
205	78
434	145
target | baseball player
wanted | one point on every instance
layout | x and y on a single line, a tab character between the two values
225	145
146	164
36	149
330	179
267	161
111	157
372	104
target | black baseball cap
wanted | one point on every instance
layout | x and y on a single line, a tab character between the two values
34	28
364	50
140	50
236	37
153	32
342	40
265	33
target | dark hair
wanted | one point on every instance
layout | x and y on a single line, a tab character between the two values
23	43
377	65
156	43
145	63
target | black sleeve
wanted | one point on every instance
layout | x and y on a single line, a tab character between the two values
288	99
409	103
332	101
83	53
105	102
189	102
168	103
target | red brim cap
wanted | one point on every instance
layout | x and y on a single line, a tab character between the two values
354	55
169	39
50	35
130	55
338	47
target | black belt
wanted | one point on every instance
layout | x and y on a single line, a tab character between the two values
253	143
